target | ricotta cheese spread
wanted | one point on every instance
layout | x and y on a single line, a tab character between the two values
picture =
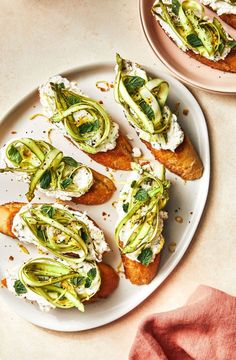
47	99
221	7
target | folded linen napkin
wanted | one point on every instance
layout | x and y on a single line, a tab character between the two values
203	329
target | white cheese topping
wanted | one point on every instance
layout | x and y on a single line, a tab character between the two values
47	99
136	152
125	195
220	6
96	246
44	305
174	135
82	179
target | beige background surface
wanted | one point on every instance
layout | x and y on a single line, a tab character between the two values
41	38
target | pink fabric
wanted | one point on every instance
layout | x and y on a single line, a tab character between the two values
203	329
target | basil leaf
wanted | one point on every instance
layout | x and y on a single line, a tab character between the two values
70	161
45	179
125	207
133	183
61	86
147	109
231	43
41	234
89	127
141	195
19	287
175	7
72	100
133	83
48	210
194	40
66	182
77	281
14	155
221	48
91	276
84	235
145	257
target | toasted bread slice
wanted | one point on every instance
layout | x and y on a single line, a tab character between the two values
119	158
140	274
100	192
230	19
109	277
228	64
184	162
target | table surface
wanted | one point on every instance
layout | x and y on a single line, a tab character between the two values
41	38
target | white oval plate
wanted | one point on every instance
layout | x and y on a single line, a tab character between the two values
187	199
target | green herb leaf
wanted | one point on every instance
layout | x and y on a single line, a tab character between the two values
89	127
14	155
77	281
125	207
45	179
41	234
72	100
48	210
221	48
133	83
61	86
66	182
141	195
175	7
91	276
84	236
145	257
133	184
231	43
19	287
194	40
147	109
70	161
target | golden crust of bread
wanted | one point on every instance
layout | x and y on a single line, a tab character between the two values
228	64
184	162
140	274
100	192
109	282
109	277
7	213
230	19
119	158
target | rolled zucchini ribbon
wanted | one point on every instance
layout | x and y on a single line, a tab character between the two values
45	166
143	212
58	231
143	98
198	34
59	284
91	129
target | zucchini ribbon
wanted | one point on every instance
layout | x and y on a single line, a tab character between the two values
147	196
46	167
59	284
200	35
143	99
92	125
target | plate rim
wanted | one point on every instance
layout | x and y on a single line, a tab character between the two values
154	284
171	69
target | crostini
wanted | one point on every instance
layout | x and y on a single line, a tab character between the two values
85	123
53	284
139	229
68	234
226	9
144	102
202	39
47	169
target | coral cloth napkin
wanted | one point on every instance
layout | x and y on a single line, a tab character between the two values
203	329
